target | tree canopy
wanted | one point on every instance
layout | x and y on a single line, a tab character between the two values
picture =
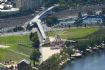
70	3
34	38
35	56
51	20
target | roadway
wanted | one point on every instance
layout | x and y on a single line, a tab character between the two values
15	21
15	33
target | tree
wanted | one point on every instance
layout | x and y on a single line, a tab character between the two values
82	45
35	56
51	64
103	11
102	14
90	13
103	21
34	38
51	20
48	3
68	51
79	20
17	28
67	43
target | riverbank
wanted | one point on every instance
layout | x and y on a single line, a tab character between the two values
59	61
87	53
72	51
90	62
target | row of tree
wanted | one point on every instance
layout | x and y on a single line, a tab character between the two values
92	40
69	3
35	44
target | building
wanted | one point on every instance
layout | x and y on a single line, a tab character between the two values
3	0
24	65
28	4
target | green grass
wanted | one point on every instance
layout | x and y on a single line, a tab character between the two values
14	39
20	48
75	33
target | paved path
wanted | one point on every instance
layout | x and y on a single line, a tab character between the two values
14	33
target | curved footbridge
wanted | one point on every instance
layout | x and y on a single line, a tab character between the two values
37	21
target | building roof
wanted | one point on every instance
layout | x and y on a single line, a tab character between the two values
10	10
25	61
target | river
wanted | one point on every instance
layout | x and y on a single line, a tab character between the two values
91	62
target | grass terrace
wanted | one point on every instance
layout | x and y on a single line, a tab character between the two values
20	48
75	33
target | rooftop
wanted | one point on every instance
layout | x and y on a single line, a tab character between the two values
10	10
24	60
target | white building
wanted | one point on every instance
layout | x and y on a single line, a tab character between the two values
3	0
5	6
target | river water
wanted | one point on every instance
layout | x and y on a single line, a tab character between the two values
91	62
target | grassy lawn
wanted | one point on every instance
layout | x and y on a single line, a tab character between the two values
20	48
75	33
